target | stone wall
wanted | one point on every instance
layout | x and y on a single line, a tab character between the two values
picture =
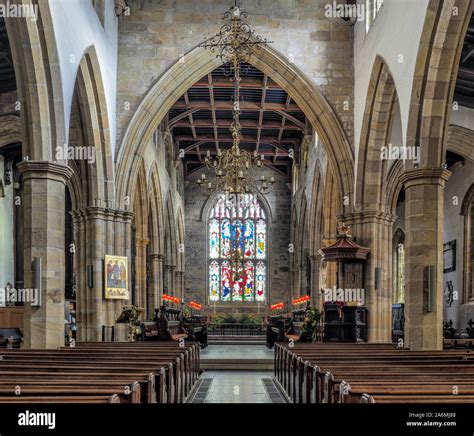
455	191
278	285
157	34
8	101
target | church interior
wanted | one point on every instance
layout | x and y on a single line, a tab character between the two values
229	201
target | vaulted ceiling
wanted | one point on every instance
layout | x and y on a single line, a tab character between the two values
272	124
7	72
464	92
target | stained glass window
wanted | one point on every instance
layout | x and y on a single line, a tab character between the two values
237	224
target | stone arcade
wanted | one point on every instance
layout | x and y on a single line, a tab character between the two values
111	111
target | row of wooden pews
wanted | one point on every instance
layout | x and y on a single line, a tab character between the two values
100	372
373	373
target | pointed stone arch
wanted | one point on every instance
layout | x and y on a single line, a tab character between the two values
156	211
460	141
316	209
199	62
93	108
376	128
434	80
39	83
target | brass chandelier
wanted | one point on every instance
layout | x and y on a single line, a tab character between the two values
235	168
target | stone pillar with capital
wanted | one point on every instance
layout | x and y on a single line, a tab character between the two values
373	229
43	204
424	221
99	231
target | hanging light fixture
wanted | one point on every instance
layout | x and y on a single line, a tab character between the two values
235	168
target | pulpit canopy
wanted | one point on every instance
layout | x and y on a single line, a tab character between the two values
344	249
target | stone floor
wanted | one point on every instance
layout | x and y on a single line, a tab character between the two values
237	385
236	352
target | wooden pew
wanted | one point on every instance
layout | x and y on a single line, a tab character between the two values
191	362
174	369
26	389
92	399
314	373
356	390
19	378
412	399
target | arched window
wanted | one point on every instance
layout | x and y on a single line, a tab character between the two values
399	267
372	8
237	249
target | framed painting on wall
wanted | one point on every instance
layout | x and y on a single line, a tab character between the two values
449	256
116	277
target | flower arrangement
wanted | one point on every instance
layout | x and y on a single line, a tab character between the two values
311	323
235	319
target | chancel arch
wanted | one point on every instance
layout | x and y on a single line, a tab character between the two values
201	62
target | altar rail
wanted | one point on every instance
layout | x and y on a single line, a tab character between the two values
234	329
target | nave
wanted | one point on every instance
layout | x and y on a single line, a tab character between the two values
233	202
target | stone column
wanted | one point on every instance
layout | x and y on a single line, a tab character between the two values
373	229
169	279
161	279
80	271
100	231
316	298
180	280
141	260
44	185
156	283
424	220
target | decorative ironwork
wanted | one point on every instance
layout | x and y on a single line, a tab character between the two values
236	41
234	168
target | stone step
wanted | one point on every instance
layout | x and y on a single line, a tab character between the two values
237	340
239	364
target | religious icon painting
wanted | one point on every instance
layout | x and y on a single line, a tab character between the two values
116	278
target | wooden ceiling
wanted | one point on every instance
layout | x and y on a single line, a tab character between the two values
464	92
272	124
7	72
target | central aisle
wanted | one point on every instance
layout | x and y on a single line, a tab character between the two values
237	374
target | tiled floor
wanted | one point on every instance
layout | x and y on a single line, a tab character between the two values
237	387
